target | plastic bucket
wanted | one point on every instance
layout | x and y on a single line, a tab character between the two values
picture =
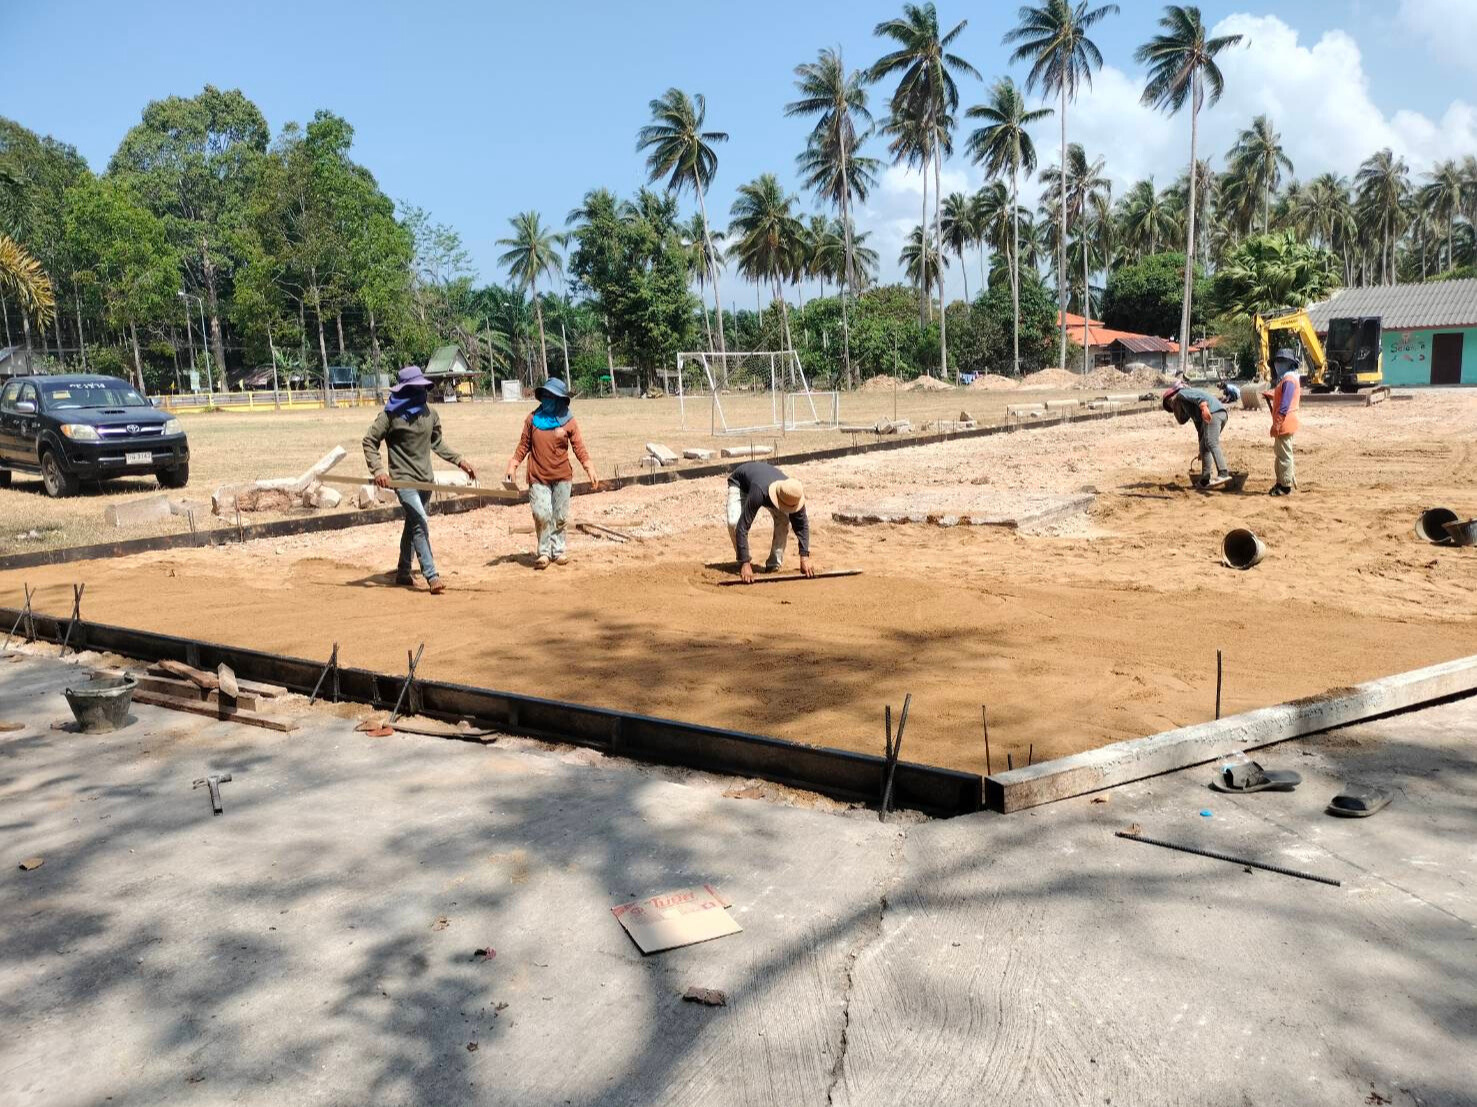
1431	526
1463	534
1241	549
102	704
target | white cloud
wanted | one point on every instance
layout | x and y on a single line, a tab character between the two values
1448	26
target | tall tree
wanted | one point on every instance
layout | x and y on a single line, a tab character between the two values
1258	159
681	151
927	95
533	252
1003	145
766	237
920	257
1053	38
1145	219
1079	192
958	230
1383	184
830	163
1181	61
1441	197
910	141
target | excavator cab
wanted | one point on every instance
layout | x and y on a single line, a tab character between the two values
1355	354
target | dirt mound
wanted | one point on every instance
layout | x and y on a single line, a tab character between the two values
882	382
927	384
1139	376
994	382
1052	377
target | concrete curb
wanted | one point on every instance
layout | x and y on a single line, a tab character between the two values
1138	758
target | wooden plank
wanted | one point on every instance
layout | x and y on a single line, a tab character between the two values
507	495
763	578
247	687
228	686
180	689
1138	758
199	679
214	711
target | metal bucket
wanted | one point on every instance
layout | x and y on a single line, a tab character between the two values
1431	526
1463	534
102	704
1241	549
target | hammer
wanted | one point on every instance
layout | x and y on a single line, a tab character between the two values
214	784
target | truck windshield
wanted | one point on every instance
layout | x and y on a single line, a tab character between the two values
75	394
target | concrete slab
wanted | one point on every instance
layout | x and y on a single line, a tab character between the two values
133	513
291	950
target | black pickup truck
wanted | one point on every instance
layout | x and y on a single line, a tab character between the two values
77	427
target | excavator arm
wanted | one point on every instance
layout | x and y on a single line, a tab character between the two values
1299	324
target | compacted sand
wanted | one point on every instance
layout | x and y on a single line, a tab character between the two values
1093	629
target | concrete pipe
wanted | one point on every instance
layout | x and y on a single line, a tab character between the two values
1241	549
1431	526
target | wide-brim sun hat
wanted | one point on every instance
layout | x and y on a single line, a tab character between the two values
552	387
411	377
787	495
1169	394
1285	355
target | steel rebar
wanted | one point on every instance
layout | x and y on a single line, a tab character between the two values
1227	857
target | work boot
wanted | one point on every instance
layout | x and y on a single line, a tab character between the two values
1220	480
541	563
437	586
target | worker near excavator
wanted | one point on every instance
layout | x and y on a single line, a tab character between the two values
1282	400
755	485
1209	416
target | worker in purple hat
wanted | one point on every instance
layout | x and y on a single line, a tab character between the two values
411	431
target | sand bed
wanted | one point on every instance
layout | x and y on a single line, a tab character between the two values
1100	628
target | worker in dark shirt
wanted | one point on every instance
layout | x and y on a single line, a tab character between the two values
1209	416
755	485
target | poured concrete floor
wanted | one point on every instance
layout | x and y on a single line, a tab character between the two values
289	952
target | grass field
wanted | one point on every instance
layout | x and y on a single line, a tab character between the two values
236	446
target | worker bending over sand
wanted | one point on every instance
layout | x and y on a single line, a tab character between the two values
755	485
1209	416
549	433
1282	399
411	430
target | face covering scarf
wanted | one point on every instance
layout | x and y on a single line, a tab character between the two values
410	403
553	412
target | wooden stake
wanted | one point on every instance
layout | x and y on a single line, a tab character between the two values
1217	684
985	722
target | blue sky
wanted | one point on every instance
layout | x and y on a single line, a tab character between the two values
478	110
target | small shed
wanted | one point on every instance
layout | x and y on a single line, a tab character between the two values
1142	349
453	376
1429	330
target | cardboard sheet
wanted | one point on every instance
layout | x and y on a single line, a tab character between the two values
680	918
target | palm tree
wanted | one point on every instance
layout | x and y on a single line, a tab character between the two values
830	163
767	237
704	255
1085	187
1182	67
920	257
682	151
532	252
909	141
1053	38
1383	184
1003	145
1258	159
1144	218
927	95
958	230
22	279
1441	199
995	220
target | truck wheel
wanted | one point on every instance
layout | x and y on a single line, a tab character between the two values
177	477
56	480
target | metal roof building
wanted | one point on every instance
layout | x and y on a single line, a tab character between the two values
1429	330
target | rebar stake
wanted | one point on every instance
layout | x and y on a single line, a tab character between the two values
409	680
331	667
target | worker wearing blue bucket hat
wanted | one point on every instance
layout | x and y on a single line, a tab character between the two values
549	434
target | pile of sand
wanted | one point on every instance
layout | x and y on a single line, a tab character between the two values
882	382
993	382
927	384
1052	377
1140	376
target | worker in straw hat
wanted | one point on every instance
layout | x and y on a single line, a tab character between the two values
755	485
1282	400
1209	416
411	431
549	433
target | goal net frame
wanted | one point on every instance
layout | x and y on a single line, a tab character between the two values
777	373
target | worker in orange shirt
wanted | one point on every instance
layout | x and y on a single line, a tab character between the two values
1282	400
550	434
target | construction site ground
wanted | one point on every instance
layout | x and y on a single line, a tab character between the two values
1092	629
315	943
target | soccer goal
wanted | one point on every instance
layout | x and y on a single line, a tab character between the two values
749	392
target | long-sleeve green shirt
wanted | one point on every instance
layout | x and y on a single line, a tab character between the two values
409	443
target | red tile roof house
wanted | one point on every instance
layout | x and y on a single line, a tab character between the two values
1122	349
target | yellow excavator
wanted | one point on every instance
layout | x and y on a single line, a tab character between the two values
1352	358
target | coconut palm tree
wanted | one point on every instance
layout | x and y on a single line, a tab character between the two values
927	95
1441	198
958	231
1145	219
994	223
1258	159
830	163
23	280
533	252
682	152
1083	188
1003	145
1383	185
920	258
909	141
767	237
1181	61
1053	37
704	255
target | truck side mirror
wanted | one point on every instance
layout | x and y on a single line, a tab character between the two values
26	407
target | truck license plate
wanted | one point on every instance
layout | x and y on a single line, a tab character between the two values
144	458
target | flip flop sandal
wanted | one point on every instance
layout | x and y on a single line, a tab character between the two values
1358	803
1248	776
